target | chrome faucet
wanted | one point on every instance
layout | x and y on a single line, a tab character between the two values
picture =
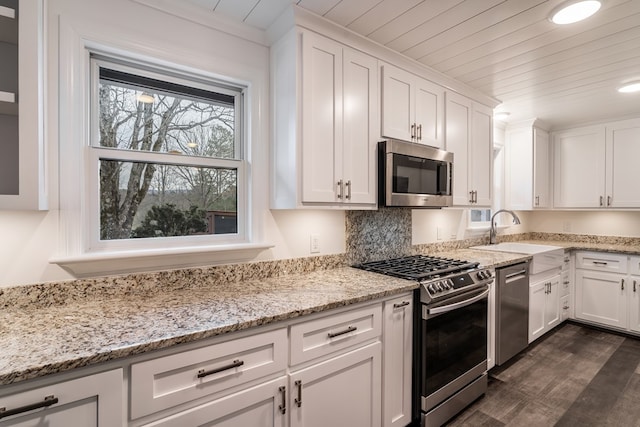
493	232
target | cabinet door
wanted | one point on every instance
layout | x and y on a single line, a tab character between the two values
579	168
601	298
397	103
541	169
321	118
552	314
623	151
260	406
398	344
95	400
634	303
519	168
537	299
457	131
481	155
429	113
343	391
361	126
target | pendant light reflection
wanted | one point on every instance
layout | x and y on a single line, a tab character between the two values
145	98
574	11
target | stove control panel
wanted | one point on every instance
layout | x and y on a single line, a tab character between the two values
452	285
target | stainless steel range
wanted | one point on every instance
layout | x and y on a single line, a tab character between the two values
451	331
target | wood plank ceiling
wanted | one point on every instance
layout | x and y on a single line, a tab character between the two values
563	75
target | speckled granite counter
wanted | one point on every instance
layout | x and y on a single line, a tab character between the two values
48	339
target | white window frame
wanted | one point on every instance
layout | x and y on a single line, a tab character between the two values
96	153
69	126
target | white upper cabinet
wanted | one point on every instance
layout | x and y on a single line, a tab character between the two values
594	166
469	136
412	107
623	152
528	167
22	164
325	106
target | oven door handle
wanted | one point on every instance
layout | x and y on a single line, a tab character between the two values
451	307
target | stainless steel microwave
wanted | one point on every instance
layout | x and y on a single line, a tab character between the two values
414	175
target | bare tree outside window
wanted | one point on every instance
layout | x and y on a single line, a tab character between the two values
159	199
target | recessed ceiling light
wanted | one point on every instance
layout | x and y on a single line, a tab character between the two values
502	115
574	11
630	87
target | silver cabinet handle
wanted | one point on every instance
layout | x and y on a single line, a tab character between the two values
622	285
283	407
537	200
608	200
413	131
202	373
599	262
348	185
601	201
634	286
470	196
48	401
340	189
419	133
346	331
402	304
298	400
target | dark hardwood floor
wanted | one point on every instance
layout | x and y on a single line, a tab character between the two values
574	376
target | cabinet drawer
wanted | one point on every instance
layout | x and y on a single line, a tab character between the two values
168	381
634	265
614	263
86	401
326	335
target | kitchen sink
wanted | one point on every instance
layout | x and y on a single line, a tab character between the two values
545	257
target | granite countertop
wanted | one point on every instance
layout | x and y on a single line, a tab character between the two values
49	339
59	327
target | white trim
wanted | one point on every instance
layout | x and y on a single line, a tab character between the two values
121	262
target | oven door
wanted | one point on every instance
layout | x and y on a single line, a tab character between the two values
454	346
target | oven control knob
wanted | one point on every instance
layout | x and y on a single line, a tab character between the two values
439	287
446	285
432	288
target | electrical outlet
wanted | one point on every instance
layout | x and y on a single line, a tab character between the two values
439	233
314	244
566	226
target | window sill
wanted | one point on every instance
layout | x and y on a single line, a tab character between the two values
123	262
485	228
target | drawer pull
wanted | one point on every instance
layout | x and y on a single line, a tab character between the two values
283	407
566	282
622	284
634	286
400	305
48	401
599	262
202	373
298	400
346	331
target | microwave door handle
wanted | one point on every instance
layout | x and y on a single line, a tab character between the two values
451	307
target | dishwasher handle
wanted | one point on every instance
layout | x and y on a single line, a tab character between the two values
522	274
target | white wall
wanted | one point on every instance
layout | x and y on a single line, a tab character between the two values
601	223
30	239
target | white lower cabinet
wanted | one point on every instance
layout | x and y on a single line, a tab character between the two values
634	304
601	295
397	361
342	391
94	400
260	406
544	303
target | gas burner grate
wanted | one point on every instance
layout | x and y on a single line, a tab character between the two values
418	267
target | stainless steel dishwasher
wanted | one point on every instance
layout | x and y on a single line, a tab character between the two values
512	311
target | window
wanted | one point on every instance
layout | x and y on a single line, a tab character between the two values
166	158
